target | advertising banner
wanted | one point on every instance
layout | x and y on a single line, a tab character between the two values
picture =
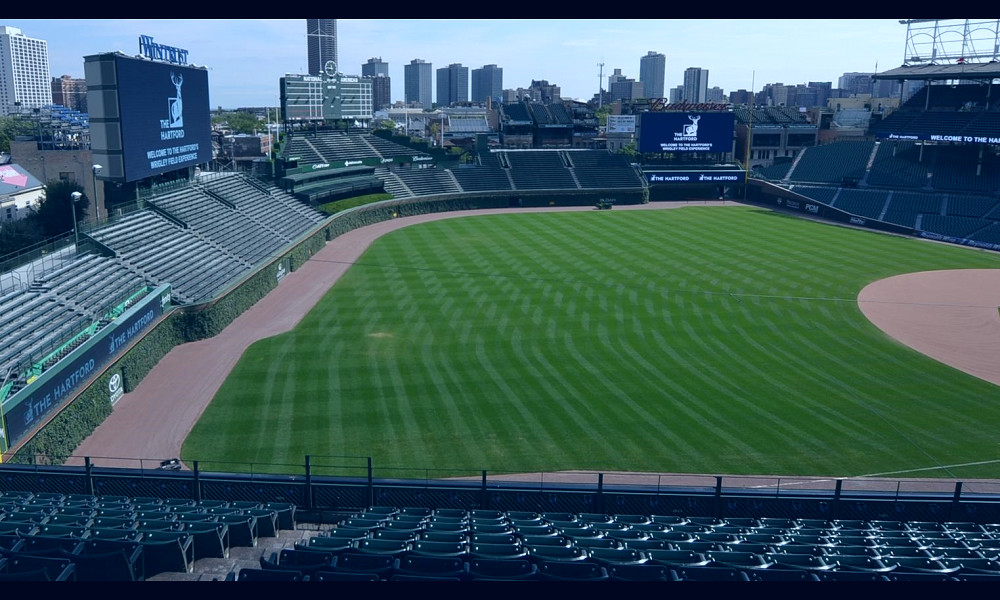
717	177
29	407
940	137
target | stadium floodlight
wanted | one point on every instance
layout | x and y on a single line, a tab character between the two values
74	198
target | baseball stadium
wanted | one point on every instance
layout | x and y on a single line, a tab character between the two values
543	363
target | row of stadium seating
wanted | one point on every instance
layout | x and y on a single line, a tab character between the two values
528	170
892	164
338	146
101	537
390	543
52	536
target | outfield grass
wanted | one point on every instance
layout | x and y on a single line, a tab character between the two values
702	340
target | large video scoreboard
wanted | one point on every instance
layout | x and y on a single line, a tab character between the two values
147	117
686	132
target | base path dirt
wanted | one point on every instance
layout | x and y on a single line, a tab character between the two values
951	316
150	423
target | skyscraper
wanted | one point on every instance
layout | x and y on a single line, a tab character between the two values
652	70
378	73
321	40
695	85
487	82
375	67
25	81
452	84
417	83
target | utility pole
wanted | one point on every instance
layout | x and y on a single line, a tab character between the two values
600	84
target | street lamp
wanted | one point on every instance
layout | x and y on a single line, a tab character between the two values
96	169
75	197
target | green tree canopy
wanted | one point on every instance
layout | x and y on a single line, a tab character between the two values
53	211
239	122
11	127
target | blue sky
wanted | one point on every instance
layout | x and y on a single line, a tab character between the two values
247	57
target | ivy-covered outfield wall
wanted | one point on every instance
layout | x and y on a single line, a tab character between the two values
55	442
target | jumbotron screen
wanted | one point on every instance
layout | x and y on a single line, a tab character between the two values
686	132
165	119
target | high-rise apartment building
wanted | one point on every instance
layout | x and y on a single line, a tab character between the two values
321	40
381	91
652	70
70	92
452	84
375	67
695	85
377	72
417	83
487	82
25	81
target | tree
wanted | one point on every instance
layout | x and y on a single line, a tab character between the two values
239	121
629	151
16	235
602	114
53	210
11	127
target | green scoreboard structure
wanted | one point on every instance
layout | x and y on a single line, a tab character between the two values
326	97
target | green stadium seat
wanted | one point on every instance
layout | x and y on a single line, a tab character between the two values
516	569
167	551
638	572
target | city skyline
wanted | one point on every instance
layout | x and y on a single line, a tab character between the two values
738	53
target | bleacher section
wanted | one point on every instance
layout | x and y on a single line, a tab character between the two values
897	165
970	206
227	227
58	311
904	207
269	207
960	184
601	169
337	147
770	115
427	182
825	195
864	203
960	227
775	172
833	163
166	253
539	170
955	168
487	176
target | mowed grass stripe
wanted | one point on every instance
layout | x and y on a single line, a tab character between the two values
700	340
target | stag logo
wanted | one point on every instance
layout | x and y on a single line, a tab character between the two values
691	131
175	106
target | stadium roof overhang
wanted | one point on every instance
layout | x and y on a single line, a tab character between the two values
990	70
